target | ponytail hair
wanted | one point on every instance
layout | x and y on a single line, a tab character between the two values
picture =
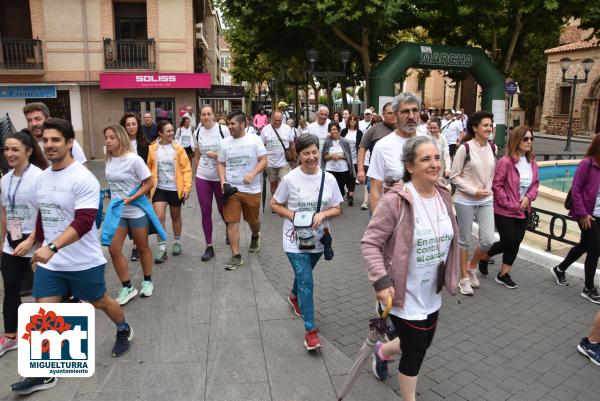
27	139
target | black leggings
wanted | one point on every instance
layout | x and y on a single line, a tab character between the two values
344	179
588	243
14	269
512	231
415	337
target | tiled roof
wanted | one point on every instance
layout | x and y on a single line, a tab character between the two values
580	45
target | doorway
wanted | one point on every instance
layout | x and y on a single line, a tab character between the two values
161	109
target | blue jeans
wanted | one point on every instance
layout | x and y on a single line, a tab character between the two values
303	265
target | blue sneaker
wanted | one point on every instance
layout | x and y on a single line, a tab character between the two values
590	350
380	369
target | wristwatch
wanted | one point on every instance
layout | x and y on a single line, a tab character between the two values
53	247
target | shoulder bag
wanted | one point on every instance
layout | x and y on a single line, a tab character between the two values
303	221
287	151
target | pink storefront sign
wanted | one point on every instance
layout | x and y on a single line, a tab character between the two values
154	81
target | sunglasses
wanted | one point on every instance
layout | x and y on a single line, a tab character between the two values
527	139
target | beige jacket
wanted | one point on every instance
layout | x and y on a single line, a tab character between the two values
474	174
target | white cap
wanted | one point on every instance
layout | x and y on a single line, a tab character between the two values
458	112
368	111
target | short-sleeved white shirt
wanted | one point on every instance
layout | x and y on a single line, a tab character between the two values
240	156
451	130
525	175
300	193
124	174
59	194
185	137
275	152
320	131
165	160
387	158
207	140
337	166
433	234
351	139
24	208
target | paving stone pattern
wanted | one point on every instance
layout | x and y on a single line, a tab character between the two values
502	344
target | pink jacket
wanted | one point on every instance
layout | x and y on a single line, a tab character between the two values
387	242
506	188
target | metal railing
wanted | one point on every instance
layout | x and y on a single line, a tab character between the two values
21	54
533	223
560	156
126	54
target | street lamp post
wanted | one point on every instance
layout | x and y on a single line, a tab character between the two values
446	80
564	65
313	57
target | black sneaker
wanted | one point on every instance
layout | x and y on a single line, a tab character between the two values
135	256
561	277
591	294
254	243
28	385
209	253
506	280
350	201
483	267
123	342
379	366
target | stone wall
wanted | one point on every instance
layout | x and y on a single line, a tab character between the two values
586	96
558	125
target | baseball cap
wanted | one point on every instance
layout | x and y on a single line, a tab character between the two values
368	111
458	112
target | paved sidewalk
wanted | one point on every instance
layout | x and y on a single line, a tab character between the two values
207	334
502	344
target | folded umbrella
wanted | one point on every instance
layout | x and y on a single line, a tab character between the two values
377	329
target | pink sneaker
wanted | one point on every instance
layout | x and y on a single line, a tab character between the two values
7	344
293	301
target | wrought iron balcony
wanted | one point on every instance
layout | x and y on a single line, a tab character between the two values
129	54
21	54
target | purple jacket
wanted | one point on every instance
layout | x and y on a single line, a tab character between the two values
388	240
506	188
585	188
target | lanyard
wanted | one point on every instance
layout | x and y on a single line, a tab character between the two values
437	234
11	200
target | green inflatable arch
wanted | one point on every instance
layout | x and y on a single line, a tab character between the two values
407	55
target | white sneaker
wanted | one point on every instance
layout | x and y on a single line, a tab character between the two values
147	288
465	287
473	277
126	294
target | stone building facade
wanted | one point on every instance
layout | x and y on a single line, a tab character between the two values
586	107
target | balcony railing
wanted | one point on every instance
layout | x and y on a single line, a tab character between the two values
21	54
128	54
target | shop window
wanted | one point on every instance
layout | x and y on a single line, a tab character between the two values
564	99
161	109
59	107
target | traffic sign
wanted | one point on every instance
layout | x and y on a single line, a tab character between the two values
511	88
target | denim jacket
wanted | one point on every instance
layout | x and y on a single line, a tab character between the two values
113	215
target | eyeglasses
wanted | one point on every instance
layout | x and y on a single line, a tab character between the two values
527	139
405	112
276	121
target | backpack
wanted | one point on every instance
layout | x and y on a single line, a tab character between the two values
468	154
468	158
